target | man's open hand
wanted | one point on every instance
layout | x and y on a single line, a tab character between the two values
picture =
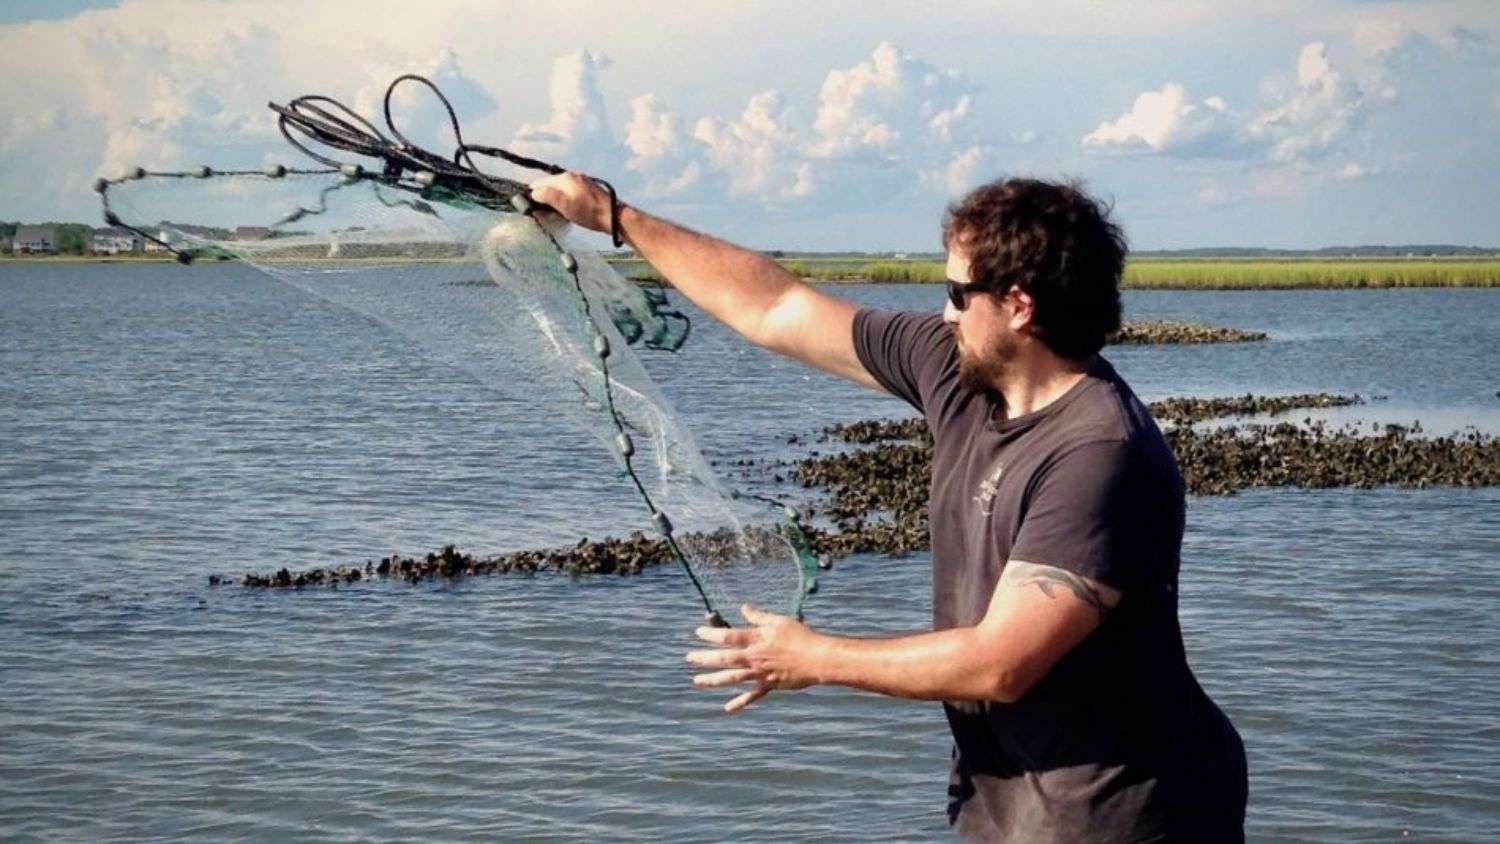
773	652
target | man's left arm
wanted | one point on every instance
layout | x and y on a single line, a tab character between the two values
1036	615
1085	522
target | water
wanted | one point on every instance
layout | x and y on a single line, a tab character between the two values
158	424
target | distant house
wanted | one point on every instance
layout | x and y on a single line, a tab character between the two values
115	240
251	233
35	240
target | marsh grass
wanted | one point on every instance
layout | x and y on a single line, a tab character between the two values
1293	274
1179	274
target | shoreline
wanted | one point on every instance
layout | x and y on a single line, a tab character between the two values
1144	274
165	258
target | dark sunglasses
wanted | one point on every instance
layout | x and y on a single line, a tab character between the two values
959	292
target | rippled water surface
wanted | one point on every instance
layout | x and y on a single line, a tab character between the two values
158	424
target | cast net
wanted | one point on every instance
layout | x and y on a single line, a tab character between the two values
462	266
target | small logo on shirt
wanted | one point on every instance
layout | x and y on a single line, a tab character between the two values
988	488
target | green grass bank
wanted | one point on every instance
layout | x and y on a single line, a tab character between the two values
1179	274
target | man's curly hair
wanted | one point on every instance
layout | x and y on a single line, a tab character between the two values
1054	242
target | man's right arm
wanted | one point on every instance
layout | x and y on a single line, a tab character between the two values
745	290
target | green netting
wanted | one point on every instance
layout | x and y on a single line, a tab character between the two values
498	295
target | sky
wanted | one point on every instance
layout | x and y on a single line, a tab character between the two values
818	124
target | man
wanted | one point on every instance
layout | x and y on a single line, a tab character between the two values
1056	512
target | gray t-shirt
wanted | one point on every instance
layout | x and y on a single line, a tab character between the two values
1118	742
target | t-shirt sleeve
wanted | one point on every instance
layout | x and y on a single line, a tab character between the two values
908	353
1096	511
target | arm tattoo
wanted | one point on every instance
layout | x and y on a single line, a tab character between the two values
1046	578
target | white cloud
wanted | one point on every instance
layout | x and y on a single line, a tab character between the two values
1379	36
759	151
961	173
119	92
1163	121
174	109
577	134
884	126
1406	61
659	153
1352	171
25	127
1395	40
1314	115
1437	110
1304	121
887	105
893	124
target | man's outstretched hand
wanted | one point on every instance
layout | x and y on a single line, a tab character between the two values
577	198
773	652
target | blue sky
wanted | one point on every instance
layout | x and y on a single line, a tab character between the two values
818	125
20	11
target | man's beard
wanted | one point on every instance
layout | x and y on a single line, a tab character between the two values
985	372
